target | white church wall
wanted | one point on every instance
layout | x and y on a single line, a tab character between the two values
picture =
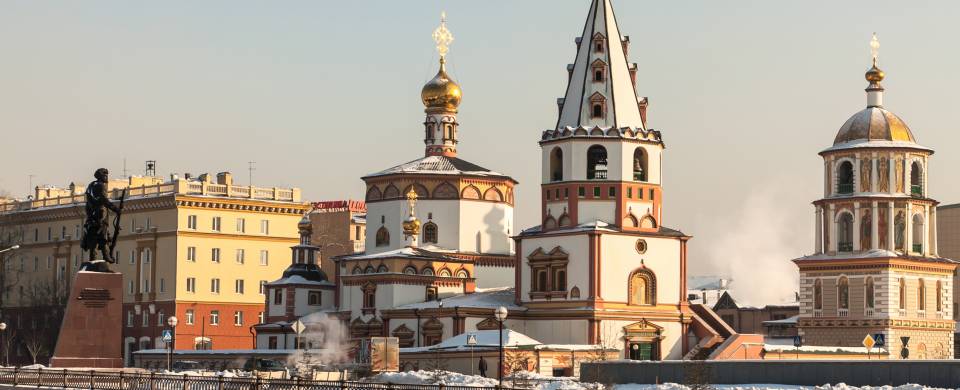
554	331
578	268
393	295
618	258
302	306
640	209
392	215
653	161
485	227
488	277
444	213
276	309
612	336
589	210
556	209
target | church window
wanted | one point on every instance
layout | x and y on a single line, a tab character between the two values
278	296
463	274
383	236
382	269
612	191
581	192
903	294
430	233
939	299
541	281
444	273
843	293
597	111
391	192
921	295
357	270
598	46
818	294
643	287
471	192
445	191
432	332
596	192
598	75
560	280
368	270
917	233
550	222
639	164
314	298
916	179
410	270
564	220
556	164
869	293
845	178
845	233
370	296
427	271
431	294
493	194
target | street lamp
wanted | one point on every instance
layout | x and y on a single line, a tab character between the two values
12	248
172	322
3	328
500	315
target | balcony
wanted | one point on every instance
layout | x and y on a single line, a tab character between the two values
843	312
916	191
869	312
818	312
845	246
844	188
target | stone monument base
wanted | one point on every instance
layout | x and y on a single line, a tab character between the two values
92	323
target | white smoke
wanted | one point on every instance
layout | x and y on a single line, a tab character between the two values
325	344
754	245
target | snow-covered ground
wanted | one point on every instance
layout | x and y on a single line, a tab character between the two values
432	377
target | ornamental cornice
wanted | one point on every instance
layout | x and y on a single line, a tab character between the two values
244	206
597	132
900	323
416	280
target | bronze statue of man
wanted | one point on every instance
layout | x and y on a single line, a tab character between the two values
95	228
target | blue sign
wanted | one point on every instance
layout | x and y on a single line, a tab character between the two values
879	340
798	341
166	336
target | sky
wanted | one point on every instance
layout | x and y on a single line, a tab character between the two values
319	93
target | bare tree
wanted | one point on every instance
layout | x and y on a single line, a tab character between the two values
47	301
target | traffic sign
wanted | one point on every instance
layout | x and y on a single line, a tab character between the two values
868	342
472	339
879	340
797	341
166	336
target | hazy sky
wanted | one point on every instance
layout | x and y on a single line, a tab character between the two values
319	93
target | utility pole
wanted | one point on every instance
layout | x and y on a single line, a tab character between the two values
250	169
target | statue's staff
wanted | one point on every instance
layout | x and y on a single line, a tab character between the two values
116	227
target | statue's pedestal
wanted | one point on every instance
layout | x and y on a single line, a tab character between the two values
92	323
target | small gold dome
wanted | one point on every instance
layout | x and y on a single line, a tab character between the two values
874	75
441	92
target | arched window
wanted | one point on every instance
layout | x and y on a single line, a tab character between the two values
369	269
917	234
560	280
843	293
444	273
916	179
541	281
818	294
549	223
373	194
639	164
939	297
903	294
642	288
564	220
410	270
921	294
383	236
596	163
597	111
427	271
845	178
463	274
845	232
869	292
382	269
598	75
556	164
430	233
357	270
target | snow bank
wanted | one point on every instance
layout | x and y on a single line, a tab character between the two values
433	377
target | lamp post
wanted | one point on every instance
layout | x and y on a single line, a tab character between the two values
172	322
3	329
12	248
500	315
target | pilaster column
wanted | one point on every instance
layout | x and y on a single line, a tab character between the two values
873	177
832	225
818	231
891	240
856	174
875	224
933	232
856	227
926	230
891	174
908	229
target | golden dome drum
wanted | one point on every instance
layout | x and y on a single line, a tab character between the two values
441	92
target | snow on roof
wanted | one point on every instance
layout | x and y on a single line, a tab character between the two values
485	339
873	253
786	345
438	165
489	298
297	279
785	321
428	252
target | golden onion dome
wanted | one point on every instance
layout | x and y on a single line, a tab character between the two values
441	92
874	74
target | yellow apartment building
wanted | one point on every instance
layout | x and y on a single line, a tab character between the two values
195	248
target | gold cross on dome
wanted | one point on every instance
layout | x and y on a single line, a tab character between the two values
874	48
412	199
442	36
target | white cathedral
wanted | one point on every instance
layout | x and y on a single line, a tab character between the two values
442	253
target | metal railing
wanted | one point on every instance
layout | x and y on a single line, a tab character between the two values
119	380
845	188
916	191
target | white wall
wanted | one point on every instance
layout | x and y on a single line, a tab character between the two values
589	210
619	159
458	223
618	258
488	277
578	268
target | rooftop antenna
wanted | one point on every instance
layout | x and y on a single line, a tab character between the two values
250	169
30	189
125	168
151	168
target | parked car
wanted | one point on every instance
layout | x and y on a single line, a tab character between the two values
257	364
186	365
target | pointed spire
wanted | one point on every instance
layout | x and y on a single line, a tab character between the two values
601	90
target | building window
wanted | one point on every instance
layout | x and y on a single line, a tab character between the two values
598	75
869	292
818	294
240	256
188	317
215	255
916	179
845	178
260	318
939	297
241	225
612	192
383	237
903	294
431	294
129	318
430	233
596	192
214	317
917	234
191	253
162	286
263	287
410	270
596	163
370	296
556	164
264	226
272	342
314	298
238	318
278	296
845	233
145	318
215	224
643	287
560	279
192	222
191	285
581	191
597	111
921	295
264	257
215	285
160	318
548	273
238	286
843	293
463	274
639	164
